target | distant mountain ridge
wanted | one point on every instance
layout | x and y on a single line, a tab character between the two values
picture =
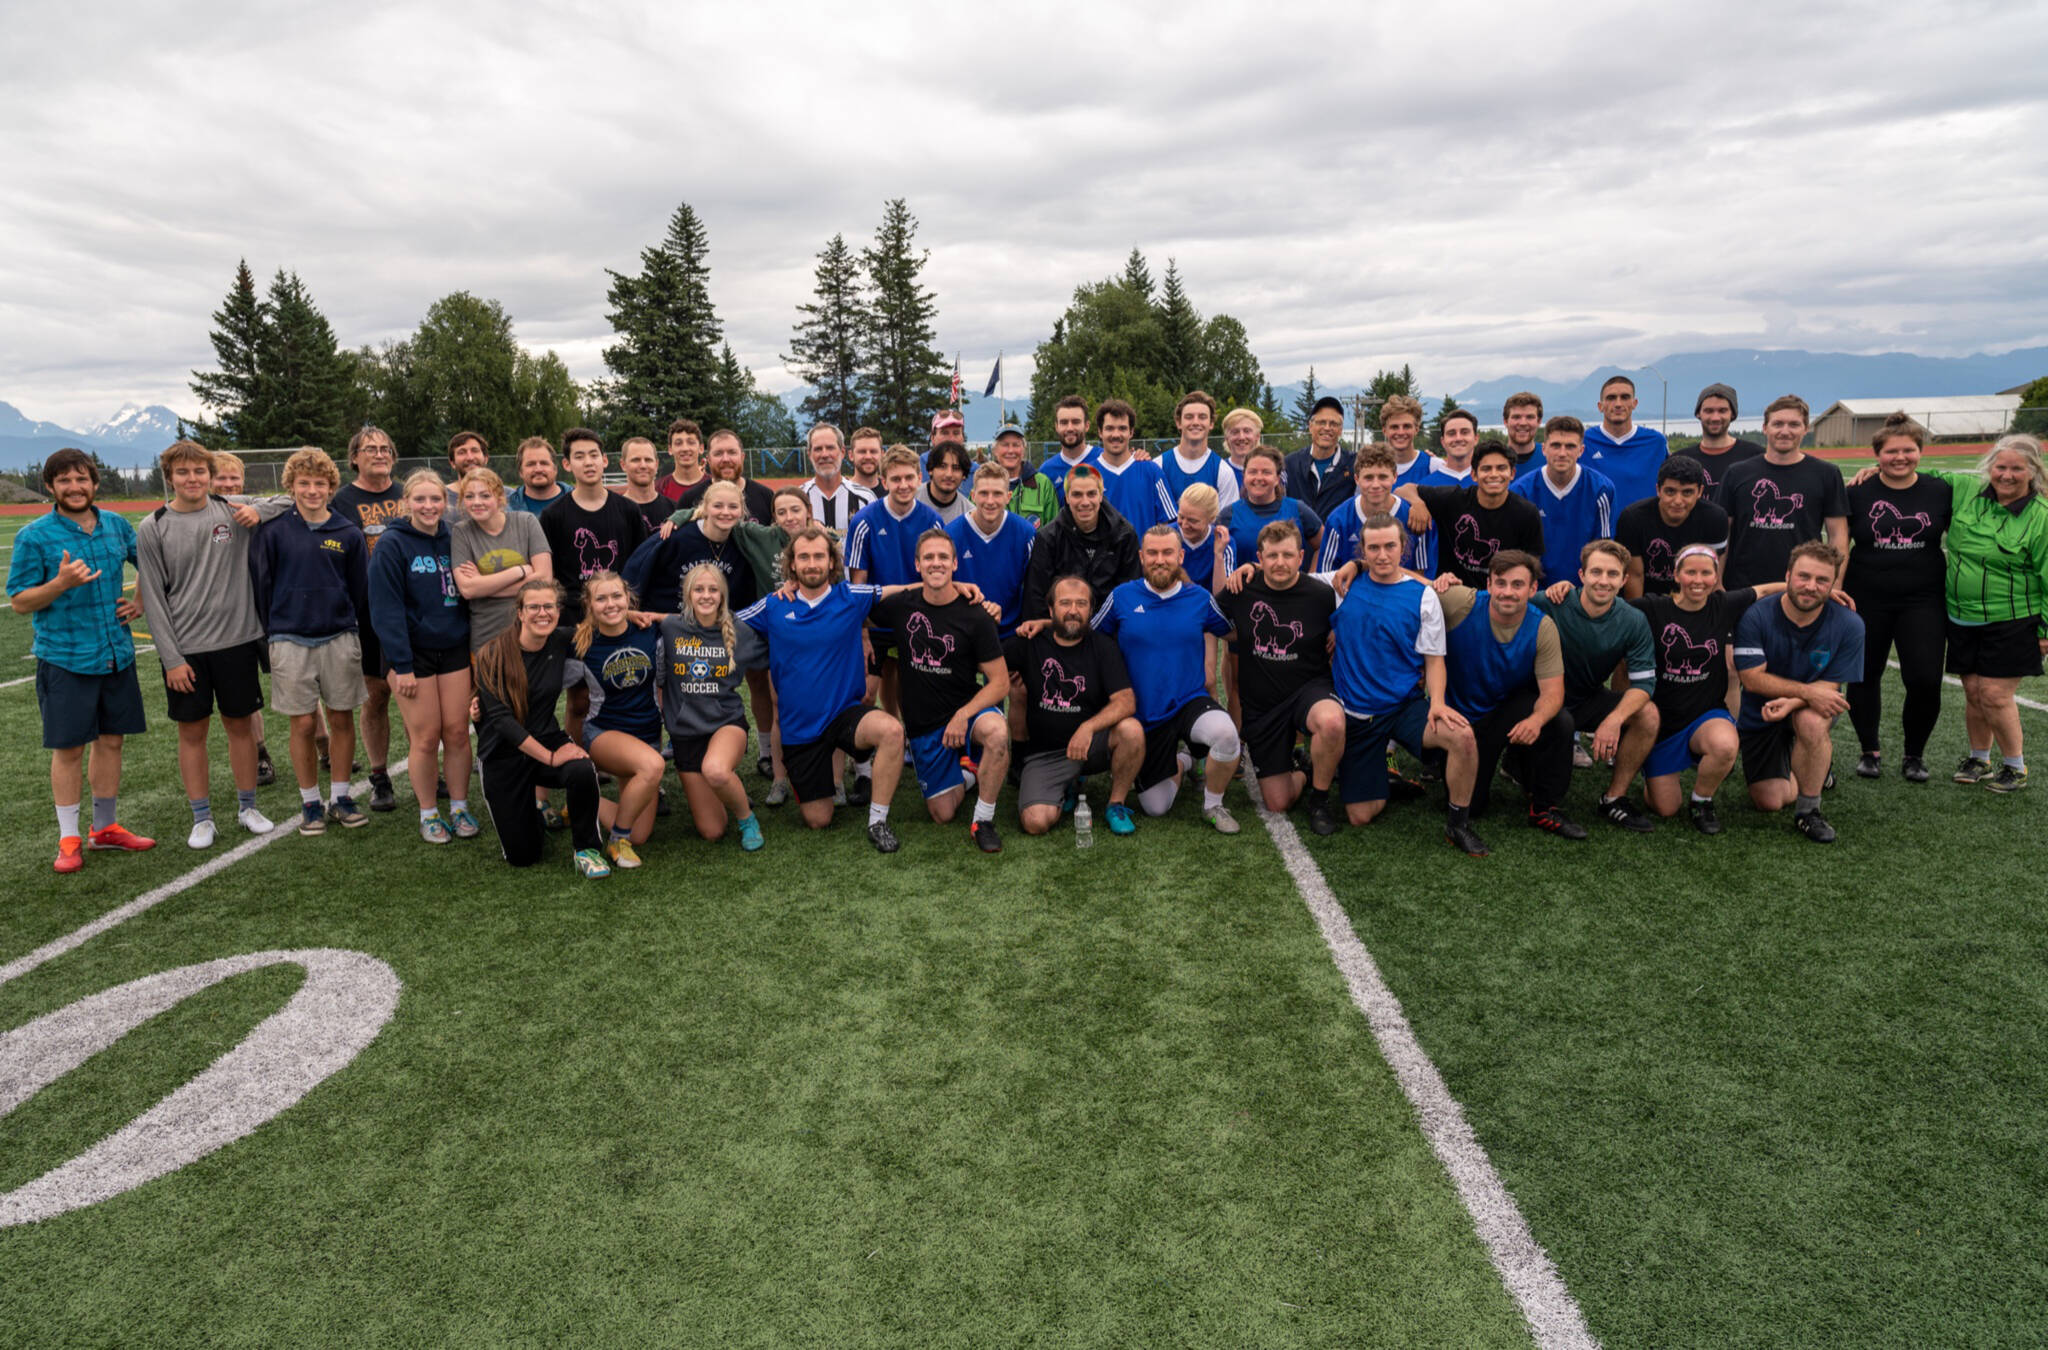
133	435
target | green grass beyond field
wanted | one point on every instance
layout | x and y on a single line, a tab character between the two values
1747	1091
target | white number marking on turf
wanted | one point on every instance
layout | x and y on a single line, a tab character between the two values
1552	1314
346	1000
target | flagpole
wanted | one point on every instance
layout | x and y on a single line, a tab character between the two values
1003	386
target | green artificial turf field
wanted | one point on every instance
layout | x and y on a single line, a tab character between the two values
1747	1091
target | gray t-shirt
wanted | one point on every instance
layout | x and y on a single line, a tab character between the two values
520	542
700	679
193	577
952	510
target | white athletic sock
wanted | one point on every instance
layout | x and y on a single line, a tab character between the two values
1184	759
877	812
309	796
2014	761
864	769
459	804
983	811
1211	800
67	821
340	787
1698	799
1984	754
427	813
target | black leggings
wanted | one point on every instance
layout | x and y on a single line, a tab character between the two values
509	781
1543	769
1920	632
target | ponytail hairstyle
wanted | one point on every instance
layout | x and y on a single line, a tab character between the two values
501	664
586	630
725	628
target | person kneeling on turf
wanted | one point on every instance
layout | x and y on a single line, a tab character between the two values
1072	707
520	675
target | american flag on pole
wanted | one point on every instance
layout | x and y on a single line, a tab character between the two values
956	381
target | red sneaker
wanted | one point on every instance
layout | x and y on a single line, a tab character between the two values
70	854
119	836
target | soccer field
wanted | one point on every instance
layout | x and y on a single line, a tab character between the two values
1742	1091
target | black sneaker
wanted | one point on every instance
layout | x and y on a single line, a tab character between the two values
1868	767
1621	811
882	837
1465	839
1303	764
1914	769
266	772
441	789
861	792
1828	783
984	836
1321	818
2007	779
1814	826
382	798
765	766
662	809
1401	788
1973	770
1550	820
1703	818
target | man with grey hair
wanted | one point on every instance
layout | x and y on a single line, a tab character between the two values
834	498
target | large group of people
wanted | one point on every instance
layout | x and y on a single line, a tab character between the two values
1343	627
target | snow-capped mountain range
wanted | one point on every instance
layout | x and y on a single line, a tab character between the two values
132	435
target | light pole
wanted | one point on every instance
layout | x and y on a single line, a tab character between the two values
1664	418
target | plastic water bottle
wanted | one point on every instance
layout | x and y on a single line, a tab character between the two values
1084	824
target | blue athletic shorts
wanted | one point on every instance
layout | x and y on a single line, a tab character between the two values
938	764
79	709
1362	773
1673	754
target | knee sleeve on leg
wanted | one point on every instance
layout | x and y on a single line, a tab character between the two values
1157	800
1214	729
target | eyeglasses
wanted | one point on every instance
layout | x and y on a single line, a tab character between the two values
539	609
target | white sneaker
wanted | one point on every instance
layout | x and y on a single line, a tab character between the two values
202	834
254	821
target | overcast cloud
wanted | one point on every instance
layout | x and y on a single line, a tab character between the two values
1479	189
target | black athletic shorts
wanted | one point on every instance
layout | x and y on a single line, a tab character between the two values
1588	713
79	709
689	750
1767	750
1269	738
431	661
1163	740
230	678
2007	650
810	765
373	652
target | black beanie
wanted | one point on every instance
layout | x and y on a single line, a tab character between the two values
1717	391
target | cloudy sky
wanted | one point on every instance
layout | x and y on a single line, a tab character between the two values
1480	189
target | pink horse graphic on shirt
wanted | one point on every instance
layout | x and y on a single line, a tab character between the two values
594	555
1684	658
1773	508
1892	528
1471	548
1659	560
1061	690
928	649
1273	640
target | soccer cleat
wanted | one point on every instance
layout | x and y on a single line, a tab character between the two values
1621	811
1868	767
464	824
118	836
750	833
1119	819
201	836
312	819
1581	757
2007	779
590	864
254	821
382	798
551	816
861	792
778	793
1914	769
1814	826
1220	817
435	830
620	851
1466	839
266	772
882	837
839	795
1550	820
662	810
984	836
765	767
1828	783
344	812
1070	798
1973	770
1703	818
70	854
1320	818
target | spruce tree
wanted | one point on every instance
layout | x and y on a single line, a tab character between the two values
1436	424
237	333
904	378
1385	385
666	359
302	381
1180	335
1137	275
1305	404
1270	413
825	347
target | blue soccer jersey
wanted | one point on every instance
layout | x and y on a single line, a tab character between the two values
814	656
1199	560
1572	518
1629	465
1161	640
1212	470
1383	631
1342	530
884	544
1056	466
995	562
1139	493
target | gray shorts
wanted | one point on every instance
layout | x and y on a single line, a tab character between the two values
1045	777
304	678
